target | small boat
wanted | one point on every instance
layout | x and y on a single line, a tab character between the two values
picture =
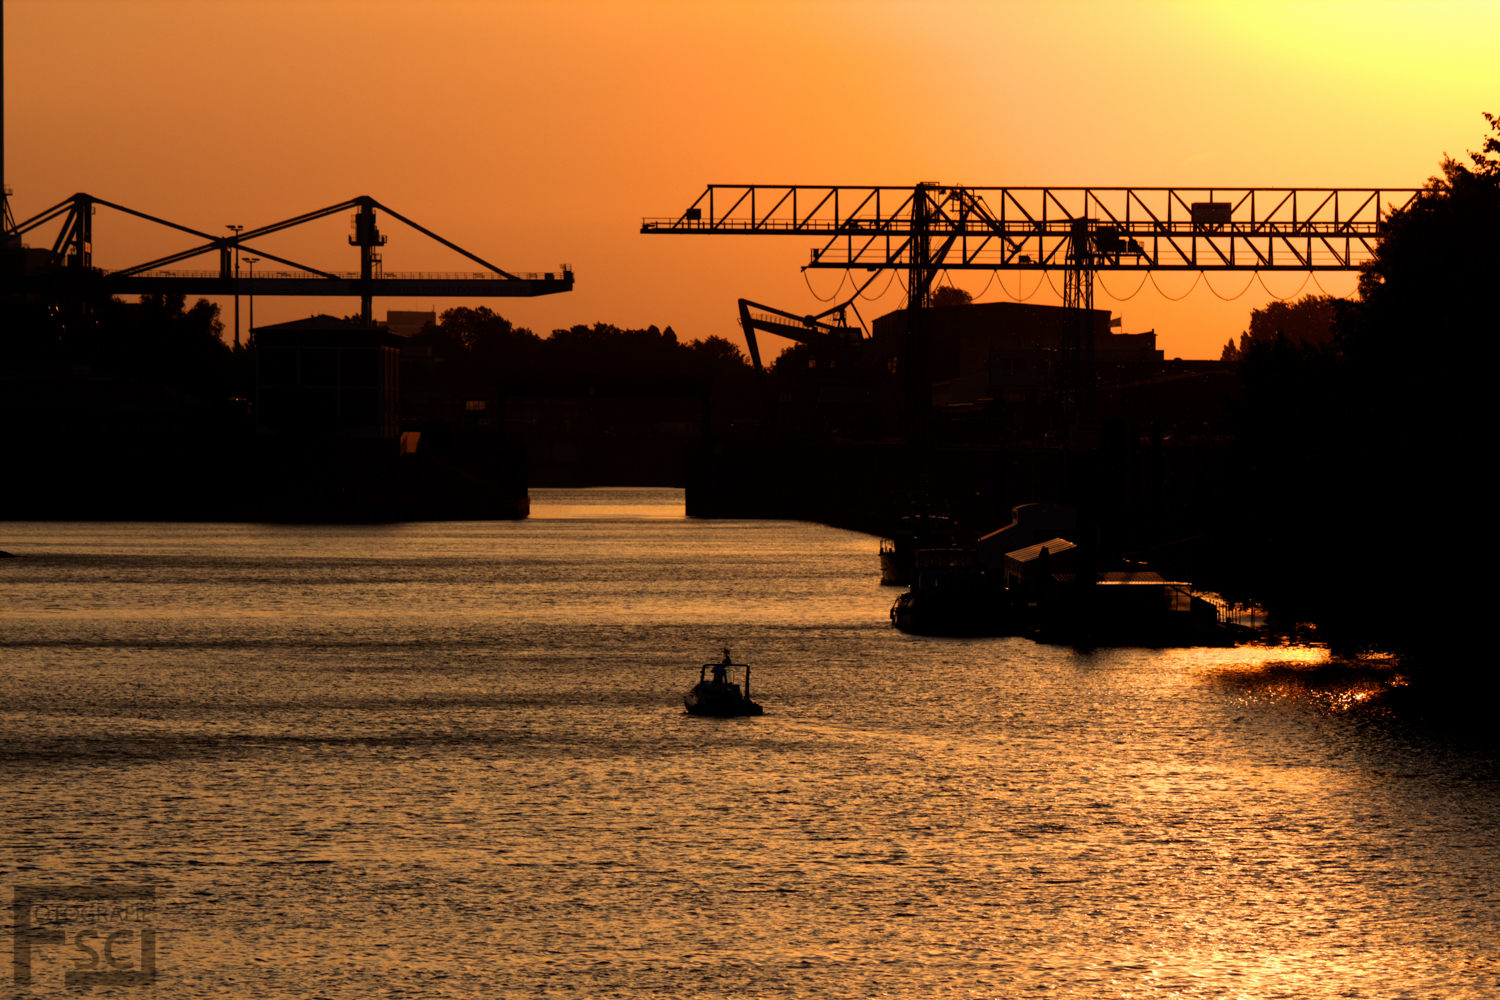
720	695
915	531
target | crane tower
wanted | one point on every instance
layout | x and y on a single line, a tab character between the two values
929	227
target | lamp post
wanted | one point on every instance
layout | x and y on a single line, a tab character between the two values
252	261
236	230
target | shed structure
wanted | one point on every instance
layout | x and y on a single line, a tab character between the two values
1030	566
325	377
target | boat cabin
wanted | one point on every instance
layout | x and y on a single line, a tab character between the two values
723	689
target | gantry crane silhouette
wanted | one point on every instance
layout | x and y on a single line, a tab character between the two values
67	270
929	227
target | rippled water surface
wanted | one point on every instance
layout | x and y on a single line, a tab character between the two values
451	760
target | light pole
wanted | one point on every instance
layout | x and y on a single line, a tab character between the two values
252	261
237	230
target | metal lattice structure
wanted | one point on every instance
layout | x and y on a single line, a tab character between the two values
929	227
812	330
68	270
1078	356
1035	228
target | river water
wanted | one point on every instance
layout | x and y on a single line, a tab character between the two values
434	760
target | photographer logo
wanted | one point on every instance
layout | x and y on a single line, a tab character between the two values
94	936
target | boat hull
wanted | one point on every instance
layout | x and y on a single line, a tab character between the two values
719	700
895	568
957	610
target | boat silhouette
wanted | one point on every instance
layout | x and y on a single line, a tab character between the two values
721	695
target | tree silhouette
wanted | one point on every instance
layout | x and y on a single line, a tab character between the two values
1375	444
948	295
1309	320
1429	290
478	345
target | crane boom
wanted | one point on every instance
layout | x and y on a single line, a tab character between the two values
68	268
1034	228
810	330
931	227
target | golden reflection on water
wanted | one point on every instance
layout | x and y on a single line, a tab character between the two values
1324	684
451	760
613	503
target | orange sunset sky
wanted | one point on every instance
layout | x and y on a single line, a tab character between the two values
540	133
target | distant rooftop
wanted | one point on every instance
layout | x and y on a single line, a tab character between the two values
408	324
318	324
323	331
1052	545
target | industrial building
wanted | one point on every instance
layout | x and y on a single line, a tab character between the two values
326	377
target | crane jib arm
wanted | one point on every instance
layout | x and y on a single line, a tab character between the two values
69	268
1051	228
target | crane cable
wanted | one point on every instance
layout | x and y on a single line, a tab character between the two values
1047	275
906	300
1019	297
1180	297
1211	288
860	291
1288	298
972	297
820	298
1050	285
873	298
1116	297
986	287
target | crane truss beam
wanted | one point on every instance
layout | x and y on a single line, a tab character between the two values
292	283
932	226
810	330
72	270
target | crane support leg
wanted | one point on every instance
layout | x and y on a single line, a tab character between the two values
1078	354
367	237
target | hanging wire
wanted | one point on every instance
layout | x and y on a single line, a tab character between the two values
1278	298
861	289
1116	297
873	298
1211	288
1180	297
987	285
1020	277
1003	290
1054	287
820	298
948	278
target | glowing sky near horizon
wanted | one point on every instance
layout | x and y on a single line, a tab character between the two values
540	133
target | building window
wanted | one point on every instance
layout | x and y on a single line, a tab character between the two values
474	404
